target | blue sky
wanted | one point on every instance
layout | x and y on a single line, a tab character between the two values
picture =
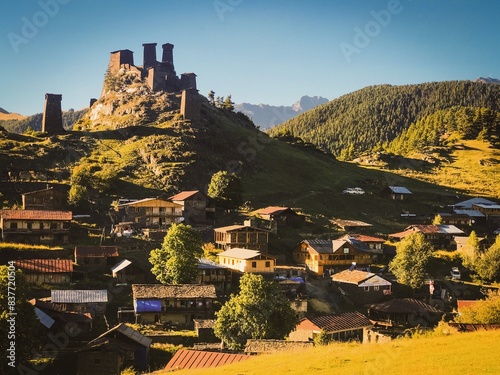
259	51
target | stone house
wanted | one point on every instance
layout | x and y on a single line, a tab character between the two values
245	260
46	271
56	318
46	199
360	287
322	256
174	304
194	205
150	212
35	226
95	258
339	327
241	236
82	301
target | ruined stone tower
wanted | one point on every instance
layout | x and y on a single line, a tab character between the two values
119	59
149	56
52	114
190	104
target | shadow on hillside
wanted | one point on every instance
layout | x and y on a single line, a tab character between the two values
130	131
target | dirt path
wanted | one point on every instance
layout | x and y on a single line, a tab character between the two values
320	296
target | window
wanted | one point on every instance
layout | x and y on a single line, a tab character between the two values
29	226
53	225
254	264
346	250
367	288
375	288
13	225
268	264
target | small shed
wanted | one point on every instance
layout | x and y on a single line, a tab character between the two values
396	192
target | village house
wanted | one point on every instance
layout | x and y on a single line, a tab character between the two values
205	330
150	212
241	236
184	359
82	301
46	199
114	350
219	275
54	317
282	215
350	226
125	271
339	327
372	244
173	304
461	218
403	313
360	287
245	260
46	271
490	211
396	192
469	204
194	205
322	256
440	236
95	258
35	226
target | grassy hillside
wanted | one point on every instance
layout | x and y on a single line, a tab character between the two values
19	124
458	354
368	118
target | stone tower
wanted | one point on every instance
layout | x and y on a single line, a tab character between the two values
149	55
190	104
120	58
52	114
188	81
168	55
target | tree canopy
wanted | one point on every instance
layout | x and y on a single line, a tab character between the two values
412	255
481	312
487	265
226	189
259	311
176	262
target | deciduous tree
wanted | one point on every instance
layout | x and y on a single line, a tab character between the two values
259	311
226	189
412	255
488	265
176	262
481	312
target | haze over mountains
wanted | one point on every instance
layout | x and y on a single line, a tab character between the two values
266	116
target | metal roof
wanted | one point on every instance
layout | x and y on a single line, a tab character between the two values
468	203
320	246
156	291
45	265
36	215
192	359
183	195
338	322
399	190
240	253
145	200
121	265
352	277
471	213
127	331
46	320
276	210
403	305
231	228
79	296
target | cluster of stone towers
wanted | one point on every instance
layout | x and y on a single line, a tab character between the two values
159	75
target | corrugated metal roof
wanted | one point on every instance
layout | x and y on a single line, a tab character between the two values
320	246
362	238
36	215
340	322
240	253
276	210
450	229
128	332
468	203
173	291
193	359
352	277
231	228
399	190
471	213
79	296
204	263
96	251
45	265
403	305
183	195
46	320
121	265
492	206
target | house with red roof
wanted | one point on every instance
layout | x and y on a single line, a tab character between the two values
92	258
441	236
35	226
282	215
194	205
46	271
360	287
198	359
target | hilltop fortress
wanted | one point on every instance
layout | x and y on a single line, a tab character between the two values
159	75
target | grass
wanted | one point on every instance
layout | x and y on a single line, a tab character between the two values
456	354
22	246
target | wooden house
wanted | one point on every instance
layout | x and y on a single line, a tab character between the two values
404	313
241	236
150	212
360	287
95	258
372	244
245	260
194	205
396	192
339	327
55	317
35	226
174	304
490	211
441	236
125	271
212	273
116	349
83	301
46	199
46	271
322	256
282	215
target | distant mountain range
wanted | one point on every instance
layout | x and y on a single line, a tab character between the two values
266	116
6	115
487	80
